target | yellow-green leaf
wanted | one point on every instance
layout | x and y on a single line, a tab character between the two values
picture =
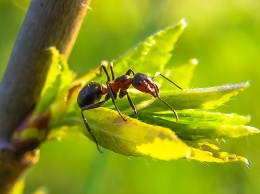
133	137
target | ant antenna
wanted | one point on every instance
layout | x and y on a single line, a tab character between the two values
158	73
157	95
89	130
176	115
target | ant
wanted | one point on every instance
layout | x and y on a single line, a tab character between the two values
90	95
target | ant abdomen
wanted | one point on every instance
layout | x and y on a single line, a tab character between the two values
89	94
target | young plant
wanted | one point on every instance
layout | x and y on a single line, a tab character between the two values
155	131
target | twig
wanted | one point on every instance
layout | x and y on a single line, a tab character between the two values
47	23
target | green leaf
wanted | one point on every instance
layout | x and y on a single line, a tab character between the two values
197	98
153	53
201	98
18	187
197	124
206	152
133	137
58	80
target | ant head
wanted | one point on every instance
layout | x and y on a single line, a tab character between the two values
144	83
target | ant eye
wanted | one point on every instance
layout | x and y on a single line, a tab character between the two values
139	83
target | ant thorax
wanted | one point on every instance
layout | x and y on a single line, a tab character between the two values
121	84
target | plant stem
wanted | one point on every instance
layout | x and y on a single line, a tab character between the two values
47	23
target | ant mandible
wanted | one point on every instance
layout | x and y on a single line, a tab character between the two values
90	95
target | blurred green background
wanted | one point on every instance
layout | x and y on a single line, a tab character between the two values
224	35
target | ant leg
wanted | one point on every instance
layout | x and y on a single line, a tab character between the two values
132	104
130	71
158	73
113	100
89	130
91	106
112	70
104	67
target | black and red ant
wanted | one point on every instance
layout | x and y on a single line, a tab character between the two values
90	95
